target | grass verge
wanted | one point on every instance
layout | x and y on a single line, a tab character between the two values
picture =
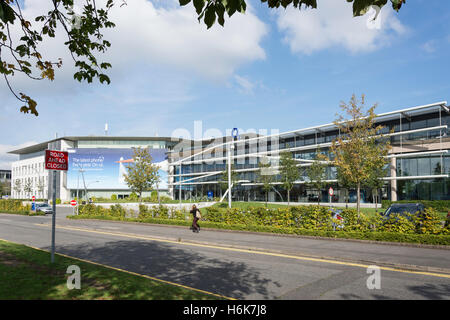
26	273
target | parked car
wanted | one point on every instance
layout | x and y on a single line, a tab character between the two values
44	207
404	208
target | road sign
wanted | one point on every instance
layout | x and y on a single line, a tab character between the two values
56	160
210	194
330	191
33	198
73	203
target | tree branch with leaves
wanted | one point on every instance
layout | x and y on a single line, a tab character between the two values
211	11
22	52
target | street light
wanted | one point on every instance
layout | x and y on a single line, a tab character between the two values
234	134
87	189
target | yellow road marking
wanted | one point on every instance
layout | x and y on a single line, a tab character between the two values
281	255
130	272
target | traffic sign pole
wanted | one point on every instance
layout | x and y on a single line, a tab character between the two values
330	194
55	161
53	217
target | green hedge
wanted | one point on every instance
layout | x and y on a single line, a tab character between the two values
301	220
438	205
16	207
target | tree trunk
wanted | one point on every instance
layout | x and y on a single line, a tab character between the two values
266	198
346	198
376	200
288	196
358	198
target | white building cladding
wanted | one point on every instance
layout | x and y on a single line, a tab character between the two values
29	169
419	159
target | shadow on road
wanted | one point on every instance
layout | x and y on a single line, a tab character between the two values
432	291
183	266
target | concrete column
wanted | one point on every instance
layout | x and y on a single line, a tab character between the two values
394	181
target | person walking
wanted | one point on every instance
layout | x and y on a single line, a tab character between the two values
197	215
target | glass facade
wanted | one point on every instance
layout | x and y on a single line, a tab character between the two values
423	140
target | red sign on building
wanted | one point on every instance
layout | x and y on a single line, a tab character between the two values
56	160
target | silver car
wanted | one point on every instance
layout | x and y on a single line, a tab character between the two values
44	207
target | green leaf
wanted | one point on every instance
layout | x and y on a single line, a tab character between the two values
199	4
210	16
6	13
103	77
184	2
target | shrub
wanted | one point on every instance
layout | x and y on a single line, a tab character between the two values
399	223
133	197
117	211
429	222
113	197
14	206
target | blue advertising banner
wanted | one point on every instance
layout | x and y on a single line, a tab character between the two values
104	168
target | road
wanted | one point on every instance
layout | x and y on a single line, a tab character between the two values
243	265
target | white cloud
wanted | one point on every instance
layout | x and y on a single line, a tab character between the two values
174	37
332	25
244	84
150	33
6	159
429	46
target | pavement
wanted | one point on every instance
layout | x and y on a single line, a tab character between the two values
243	265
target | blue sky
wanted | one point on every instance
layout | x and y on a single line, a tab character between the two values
267	69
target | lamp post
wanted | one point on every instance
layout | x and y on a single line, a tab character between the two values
234	134
87	189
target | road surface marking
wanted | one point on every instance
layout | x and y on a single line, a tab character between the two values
352	264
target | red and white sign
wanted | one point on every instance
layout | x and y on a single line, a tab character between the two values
73	203
330	191
56	160
33	198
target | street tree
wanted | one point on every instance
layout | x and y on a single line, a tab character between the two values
23	38
28	187
17	186
265	175
289	172
142	175
40	187
360	150
344	185
5	188
316	173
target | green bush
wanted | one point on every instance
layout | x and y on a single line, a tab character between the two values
306	218
429	222
133	197
113	197
15	206
117	211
